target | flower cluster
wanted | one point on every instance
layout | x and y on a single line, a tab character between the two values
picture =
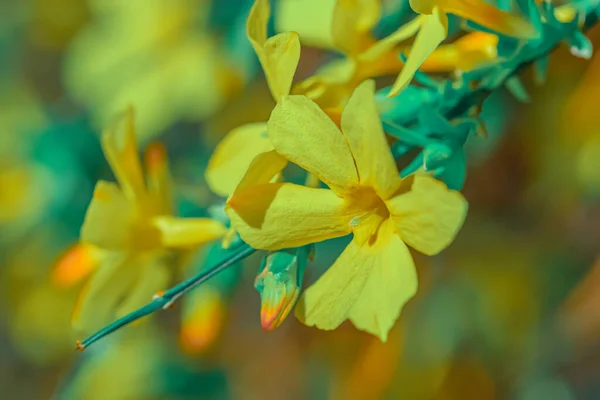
348	132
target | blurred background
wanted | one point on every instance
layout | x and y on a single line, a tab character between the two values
510	310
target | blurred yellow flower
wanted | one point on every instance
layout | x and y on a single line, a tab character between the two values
434	29
132	224
155	54
367	198
129	368
25	185
348	30
348	25
203	319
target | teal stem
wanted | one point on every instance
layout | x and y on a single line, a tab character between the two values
166	299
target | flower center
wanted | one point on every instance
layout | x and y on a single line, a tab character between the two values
369	209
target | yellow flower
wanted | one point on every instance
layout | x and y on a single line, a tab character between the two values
279	56
132	228
434	29
350	25
158	55
465	54
203	319
26	186
375	275
349	32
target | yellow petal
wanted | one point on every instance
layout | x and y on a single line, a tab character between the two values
233	156
429	216
362	127
120	148
332	84
491	17
278	55
153	276
388	43
159	178
263	169
185	233
352	23
301	132
274	216
109	218
102	294
279	59
392	283
465	54
312	20
202	320
327	303
433	31
256	24
368	284
77	263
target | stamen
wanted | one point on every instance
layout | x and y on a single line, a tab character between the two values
355	221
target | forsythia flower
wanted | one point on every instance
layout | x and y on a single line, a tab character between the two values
279	56
350	33
130	227
203	317
375	275
434	29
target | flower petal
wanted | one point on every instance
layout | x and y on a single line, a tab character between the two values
332	84
202	320
109	218
352	23
77	263
301	132
388	43
153	276
257	22
233	155
312	20
362	127
433	31
392	283
263	169
120	148
327	303
465	54
429	216
491	17
102	294
278	55
274	216
367	284
159	178
183	233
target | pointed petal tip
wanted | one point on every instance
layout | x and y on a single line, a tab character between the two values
274	309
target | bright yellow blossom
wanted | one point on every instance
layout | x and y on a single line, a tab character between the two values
434	29
349	33
279	56
130	228
374	276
